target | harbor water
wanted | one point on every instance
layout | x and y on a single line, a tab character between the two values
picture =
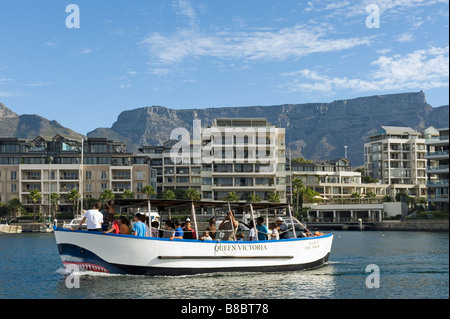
362	265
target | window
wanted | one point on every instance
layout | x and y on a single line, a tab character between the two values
88	174
104	186
13	176
103	175
139	175
13	188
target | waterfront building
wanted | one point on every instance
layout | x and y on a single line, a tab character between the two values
243	155
53	165
395	156
437	170
335	179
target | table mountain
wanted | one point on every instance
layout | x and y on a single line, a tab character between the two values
29	126
315	131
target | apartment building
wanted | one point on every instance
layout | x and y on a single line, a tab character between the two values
437	170
334	179
396	157
54	165
244	155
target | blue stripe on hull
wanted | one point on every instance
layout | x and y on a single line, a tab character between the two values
72	254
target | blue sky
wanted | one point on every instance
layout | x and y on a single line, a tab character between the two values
197	54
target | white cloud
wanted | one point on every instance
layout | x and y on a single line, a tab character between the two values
421	69
294	42
405	37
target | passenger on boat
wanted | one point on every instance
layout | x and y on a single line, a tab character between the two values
262	229
155	229
114	226
241	237
139	228
282	228
206	236
189	233
108	216
273	232
178	231
169	231
93	218
306	233
124	225
252	231
212	228
318	233
229	225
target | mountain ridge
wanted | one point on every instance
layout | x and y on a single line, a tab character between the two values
315	131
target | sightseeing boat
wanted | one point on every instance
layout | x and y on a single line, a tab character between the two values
127	254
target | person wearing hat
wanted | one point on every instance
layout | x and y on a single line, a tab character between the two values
139	228
282	228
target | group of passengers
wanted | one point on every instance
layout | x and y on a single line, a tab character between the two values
105	222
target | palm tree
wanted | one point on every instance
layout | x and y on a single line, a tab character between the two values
192	194
106	195
168	194
298	186
232	197
73	196
253	198
128	194
273	198
149	191
35	196
54	198
16	206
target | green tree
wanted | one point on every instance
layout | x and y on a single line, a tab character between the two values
35	197
128	194
106	196
149	191
273	198
232	197
297	187
73	196
192	194
371	195
253	198
54	199
355	195
15	205
168	194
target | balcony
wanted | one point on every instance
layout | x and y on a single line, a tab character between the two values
437	169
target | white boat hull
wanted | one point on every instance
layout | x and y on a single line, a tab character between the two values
125	254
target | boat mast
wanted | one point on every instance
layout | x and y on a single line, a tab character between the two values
149	218
195	220
254	221
292	221
232	224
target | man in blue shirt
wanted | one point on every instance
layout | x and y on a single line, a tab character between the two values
262	229
139	228
178	231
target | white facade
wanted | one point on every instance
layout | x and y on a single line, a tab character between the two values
396	157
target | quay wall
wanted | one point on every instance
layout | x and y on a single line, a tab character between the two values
420	225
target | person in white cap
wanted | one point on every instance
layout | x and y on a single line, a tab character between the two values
282	228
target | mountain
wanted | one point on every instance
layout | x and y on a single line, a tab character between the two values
29	126
315	131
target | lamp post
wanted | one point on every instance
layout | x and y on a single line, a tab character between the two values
345	151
